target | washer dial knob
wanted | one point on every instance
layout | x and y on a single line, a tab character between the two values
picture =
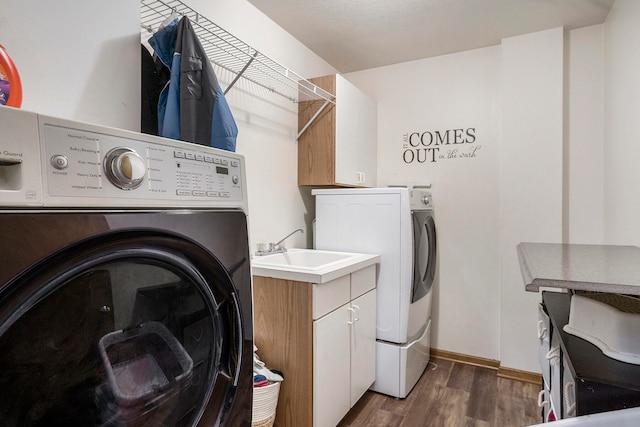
124	168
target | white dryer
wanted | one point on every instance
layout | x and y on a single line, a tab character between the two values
397	224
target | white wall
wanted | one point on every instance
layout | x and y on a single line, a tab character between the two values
76	59
584	127
459	91
531	159
622	112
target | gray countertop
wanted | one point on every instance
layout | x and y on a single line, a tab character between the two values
599	268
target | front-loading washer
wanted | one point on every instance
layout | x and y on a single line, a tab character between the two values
125	284
399	225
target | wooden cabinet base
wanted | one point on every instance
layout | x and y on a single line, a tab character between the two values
284	336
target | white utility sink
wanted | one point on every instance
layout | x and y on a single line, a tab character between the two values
309	265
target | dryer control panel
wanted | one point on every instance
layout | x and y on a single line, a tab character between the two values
420	200
87	165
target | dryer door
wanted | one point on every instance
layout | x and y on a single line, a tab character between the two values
424	253
124	329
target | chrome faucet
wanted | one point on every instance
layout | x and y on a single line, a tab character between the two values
275	248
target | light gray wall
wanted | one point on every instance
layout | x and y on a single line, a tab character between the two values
77	59
621	150
584	126
531	149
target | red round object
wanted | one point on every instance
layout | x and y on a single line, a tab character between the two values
10	84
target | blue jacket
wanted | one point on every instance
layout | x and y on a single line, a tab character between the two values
192	106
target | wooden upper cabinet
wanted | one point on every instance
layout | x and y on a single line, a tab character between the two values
339	147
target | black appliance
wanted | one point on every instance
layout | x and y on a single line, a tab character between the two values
125	282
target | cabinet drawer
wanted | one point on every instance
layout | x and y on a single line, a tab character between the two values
362	281
331	295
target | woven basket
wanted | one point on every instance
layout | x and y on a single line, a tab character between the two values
265	402
264	423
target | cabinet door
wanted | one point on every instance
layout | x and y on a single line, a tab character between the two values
339	147
355	137
363	345
331	367
367	120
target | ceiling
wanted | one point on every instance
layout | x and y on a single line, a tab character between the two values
354	35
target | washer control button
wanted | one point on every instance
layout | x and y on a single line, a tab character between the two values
59	161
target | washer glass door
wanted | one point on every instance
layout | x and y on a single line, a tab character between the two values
424	253
128	329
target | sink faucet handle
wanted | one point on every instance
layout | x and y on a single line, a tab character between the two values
273	248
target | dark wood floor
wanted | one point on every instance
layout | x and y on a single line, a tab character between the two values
452	394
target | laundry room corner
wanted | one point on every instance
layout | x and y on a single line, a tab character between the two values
447	135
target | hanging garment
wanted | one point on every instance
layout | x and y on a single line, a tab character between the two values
154	77
191	105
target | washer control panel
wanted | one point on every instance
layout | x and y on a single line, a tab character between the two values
87	163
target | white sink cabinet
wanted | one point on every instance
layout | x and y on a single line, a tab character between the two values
322	337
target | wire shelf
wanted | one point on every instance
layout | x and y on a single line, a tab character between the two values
232	54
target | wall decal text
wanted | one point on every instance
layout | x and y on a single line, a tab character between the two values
431	146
